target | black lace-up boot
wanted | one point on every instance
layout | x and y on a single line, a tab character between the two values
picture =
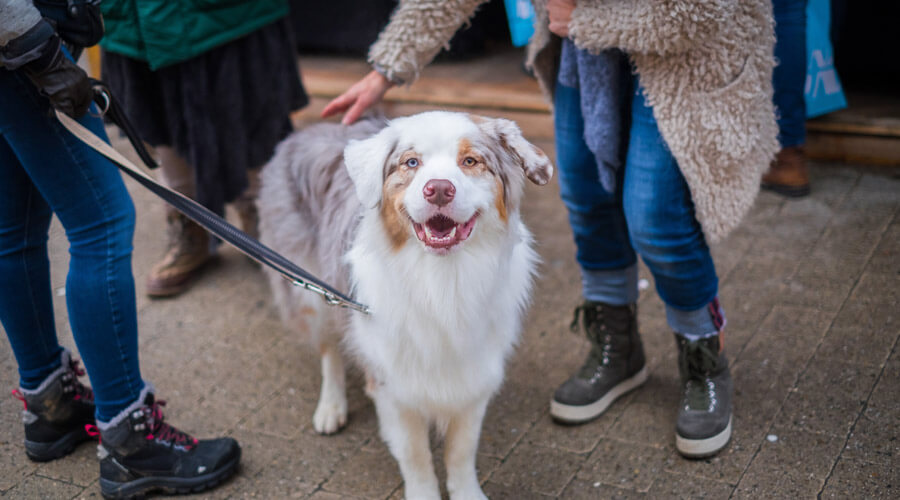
57	412
704	418
614	366
140	453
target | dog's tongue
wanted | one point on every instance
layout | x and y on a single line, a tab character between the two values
440	226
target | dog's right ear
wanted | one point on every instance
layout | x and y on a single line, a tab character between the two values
365	161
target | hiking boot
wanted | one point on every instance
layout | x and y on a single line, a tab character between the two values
57	412
188	251
614	366
788	175
140	453
704	417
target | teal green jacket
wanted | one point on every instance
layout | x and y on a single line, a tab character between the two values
164	32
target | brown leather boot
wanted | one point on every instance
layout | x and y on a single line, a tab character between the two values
187	252
788	175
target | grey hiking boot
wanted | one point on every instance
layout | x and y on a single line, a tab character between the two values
57	412
614	366
704	417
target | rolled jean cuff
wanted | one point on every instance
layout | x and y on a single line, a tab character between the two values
616	287
699	323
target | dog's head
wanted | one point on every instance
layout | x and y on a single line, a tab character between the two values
436	176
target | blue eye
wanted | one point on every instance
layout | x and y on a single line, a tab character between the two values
412	162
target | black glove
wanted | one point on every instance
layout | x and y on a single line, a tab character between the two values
38	53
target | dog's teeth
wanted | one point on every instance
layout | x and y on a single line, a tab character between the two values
452	233
428	232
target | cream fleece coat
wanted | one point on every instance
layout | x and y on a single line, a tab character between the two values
705	66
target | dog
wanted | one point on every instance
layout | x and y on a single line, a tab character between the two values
419	217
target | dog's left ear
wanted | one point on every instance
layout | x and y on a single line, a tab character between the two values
365	163
533	161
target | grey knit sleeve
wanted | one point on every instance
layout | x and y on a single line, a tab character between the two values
16	17
649	26
417	31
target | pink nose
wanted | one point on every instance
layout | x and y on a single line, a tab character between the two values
439	191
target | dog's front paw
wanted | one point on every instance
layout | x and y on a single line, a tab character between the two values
472	493
330	416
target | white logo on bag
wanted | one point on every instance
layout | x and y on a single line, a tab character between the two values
825	76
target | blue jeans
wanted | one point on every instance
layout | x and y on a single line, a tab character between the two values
45	170
789	76
650	214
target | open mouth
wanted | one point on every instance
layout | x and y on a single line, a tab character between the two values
441	232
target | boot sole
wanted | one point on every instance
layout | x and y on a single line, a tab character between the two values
176	287
167	485
699	448
572	414
44	452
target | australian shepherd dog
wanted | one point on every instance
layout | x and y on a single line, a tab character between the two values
419	217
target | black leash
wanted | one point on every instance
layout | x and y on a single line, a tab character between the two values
198	213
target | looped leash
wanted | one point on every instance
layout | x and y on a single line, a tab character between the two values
198	213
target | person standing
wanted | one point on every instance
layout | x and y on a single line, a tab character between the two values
788	174
658	164
44	170
211	85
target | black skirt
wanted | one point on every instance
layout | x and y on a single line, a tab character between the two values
223	111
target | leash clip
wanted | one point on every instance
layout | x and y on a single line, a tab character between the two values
330	298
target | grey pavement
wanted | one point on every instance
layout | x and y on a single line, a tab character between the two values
810	288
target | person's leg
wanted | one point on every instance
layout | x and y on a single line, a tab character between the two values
90	199
667	235
608	316
26	306
603	251
188	244
788	174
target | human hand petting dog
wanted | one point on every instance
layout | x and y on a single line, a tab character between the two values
560	14
359	97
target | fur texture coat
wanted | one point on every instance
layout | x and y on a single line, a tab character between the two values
705	68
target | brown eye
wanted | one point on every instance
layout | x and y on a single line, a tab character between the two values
469	161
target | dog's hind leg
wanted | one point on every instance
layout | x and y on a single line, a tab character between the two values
406	433
331	412
461	446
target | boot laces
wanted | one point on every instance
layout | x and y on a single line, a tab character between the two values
593	322
697	362
71	384
162	431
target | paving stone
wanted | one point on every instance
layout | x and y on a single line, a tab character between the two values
372	475
887	392
763	272
669	485
581	438
879	288
44	488
857	479
624	464
872	440
649	418
285	415
497	491
81	468
509	416
584	490
814	292
539	469
14	465
793	466
857	344
886	255
829	396
745	310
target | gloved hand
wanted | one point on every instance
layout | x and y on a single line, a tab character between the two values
38	53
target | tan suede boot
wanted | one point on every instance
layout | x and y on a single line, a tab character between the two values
187	252
788	175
